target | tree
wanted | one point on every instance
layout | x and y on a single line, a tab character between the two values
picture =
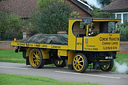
52	17
97	14
104	2
42	3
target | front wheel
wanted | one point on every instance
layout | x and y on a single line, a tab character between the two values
80	62
107	67
35	58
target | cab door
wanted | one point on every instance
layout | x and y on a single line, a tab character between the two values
79	43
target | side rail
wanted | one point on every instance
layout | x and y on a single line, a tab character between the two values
35	45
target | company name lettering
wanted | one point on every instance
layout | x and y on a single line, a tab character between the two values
109	39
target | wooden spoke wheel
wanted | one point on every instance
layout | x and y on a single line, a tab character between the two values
80	62
59	62
107	67
36	59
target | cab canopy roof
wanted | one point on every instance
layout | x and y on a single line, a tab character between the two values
96	19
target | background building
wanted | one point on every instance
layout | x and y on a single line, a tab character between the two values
119	8
24	8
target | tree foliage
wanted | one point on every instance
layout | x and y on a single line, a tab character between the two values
52	17
9	22
104	2
43	3
97	14
124	31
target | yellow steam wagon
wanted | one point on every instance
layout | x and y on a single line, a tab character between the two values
90	41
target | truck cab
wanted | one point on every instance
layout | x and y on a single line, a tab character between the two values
93	35
97	39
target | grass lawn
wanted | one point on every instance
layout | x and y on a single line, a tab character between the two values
121	58
10	79
11	56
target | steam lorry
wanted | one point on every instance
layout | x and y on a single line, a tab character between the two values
90	41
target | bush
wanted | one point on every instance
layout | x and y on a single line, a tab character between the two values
10	25
11	36
124	31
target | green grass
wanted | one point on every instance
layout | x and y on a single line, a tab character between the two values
11	56
10	79
121	58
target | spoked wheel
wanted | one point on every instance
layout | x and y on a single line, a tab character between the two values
36	59
80	62
107	67
59	62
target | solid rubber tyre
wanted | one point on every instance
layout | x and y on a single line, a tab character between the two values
36	59
80	62
109	66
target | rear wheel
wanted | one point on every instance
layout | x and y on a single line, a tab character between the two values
80	62
60	62
36	58
107	67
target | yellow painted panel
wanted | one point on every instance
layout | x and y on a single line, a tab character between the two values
59	47
87	30
30	45
102	42
28	51
45	53
79	43
15	44
51	46
115	27
71	55
71	36
62	53
106	20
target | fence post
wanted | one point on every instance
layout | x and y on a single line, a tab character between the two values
26	35
62	32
